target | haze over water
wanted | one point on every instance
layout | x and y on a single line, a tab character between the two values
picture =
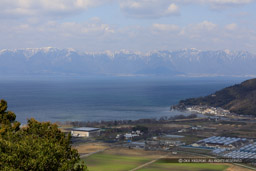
95	99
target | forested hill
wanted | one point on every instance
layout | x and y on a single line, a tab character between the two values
240	98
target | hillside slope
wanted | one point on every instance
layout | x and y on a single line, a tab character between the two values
240	98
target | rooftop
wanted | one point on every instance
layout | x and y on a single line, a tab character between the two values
86	129
222	140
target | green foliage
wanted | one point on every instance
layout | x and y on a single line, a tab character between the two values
116	161
140	128
7	120
38	146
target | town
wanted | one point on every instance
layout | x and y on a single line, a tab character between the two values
175	137
206	110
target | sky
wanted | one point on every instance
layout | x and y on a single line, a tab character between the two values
135	25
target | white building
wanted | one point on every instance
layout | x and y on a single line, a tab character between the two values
85	132
129	135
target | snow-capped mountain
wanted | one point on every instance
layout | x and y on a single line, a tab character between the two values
186	62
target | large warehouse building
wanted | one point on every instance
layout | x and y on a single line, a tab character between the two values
85	132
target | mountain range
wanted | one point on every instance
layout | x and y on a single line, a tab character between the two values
185	62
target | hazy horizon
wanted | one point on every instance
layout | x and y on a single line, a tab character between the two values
111	52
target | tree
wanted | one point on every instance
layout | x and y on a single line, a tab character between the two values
38	146
140	128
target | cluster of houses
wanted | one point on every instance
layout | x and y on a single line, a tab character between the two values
129	136
227	147
206	110
161	143
154	144
92	132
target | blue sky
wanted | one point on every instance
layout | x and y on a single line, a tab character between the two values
136	25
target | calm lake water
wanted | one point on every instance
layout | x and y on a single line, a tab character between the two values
84	99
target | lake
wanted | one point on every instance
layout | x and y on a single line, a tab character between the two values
95	99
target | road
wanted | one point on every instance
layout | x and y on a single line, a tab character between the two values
146	164
87	155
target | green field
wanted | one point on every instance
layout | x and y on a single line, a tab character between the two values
112	162
109	161
184	167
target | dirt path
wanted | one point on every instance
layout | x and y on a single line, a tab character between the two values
87	155
146	164
241	167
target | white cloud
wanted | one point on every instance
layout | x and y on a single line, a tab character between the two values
85	35
41	26
40	8
220	4
132	8
230	2
202	31
164	8
91	28
95	35
197	30
166	27
172	9
205	25
148	8
231	27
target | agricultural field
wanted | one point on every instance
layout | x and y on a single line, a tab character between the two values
121	159
118	159
159	165
87	148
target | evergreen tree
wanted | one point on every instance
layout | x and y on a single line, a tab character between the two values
38	146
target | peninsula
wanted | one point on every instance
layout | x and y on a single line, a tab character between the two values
239	99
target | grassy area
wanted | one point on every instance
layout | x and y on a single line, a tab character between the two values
90	147
125	159
116	160
101	161
184	167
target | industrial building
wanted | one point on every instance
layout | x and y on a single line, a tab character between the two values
228	147
85	132
221	142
